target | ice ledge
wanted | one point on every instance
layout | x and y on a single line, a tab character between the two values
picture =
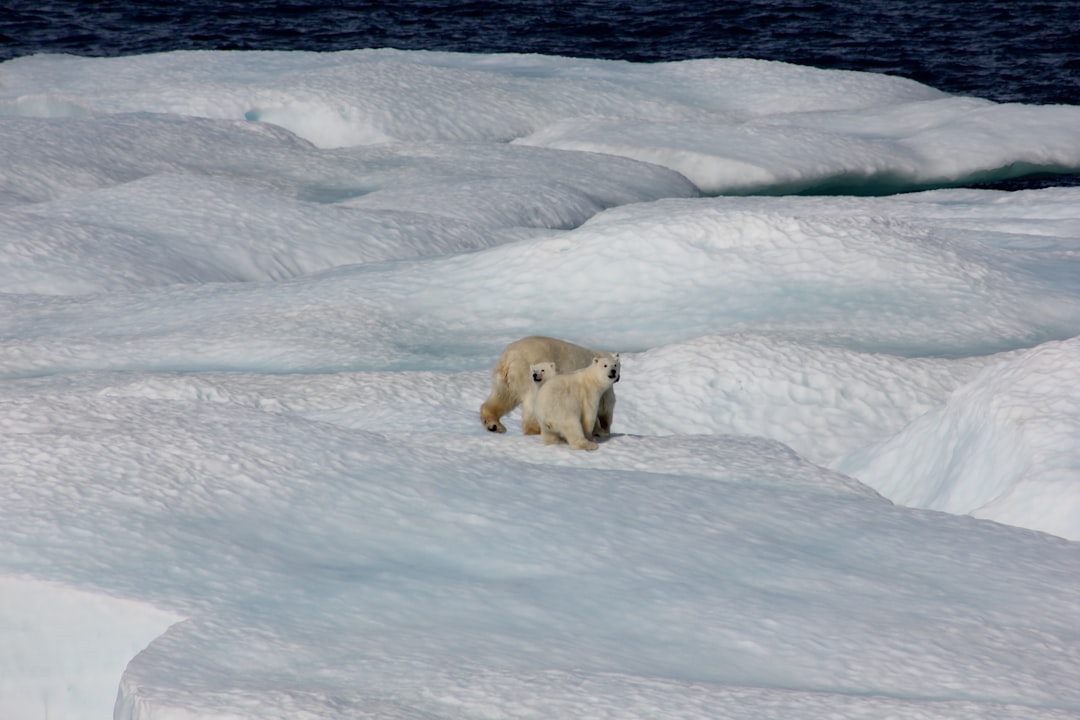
65	649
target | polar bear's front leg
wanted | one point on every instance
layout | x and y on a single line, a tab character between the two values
529	423
589	423
583	444
549	437
578	440
602	428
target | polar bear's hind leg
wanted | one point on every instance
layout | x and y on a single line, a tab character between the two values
499	402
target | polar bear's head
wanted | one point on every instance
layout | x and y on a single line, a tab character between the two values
609	365
543	371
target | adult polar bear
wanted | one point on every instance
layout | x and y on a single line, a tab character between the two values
512	382
567	405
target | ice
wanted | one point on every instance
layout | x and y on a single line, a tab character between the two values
249	307
372	96
66	649
167	213
729	125
840	273
1001	447
872	151
821	401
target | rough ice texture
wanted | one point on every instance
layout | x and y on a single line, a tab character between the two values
249	306
1003	446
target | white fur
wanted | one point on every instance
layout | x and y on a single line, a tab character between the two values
512	383
567	406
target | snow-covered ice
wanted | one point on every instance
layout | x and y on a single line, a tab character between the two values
249	306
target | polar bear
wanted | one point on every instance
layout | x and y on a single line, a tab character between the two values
567	406
542	372
512	383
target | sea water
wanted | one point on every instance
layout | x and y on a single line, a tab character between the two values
1007	52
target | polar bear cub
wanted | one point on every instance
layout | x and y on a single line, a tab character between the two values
567	406
512	383
542	372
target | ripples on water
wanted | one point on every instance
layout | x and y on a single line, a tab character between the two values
1003	51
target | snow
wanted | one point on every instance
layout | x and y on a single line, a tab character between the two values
866	151
65	649
249	306
999	448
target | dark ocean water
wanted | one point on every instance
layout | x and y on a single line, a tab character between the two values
1003	50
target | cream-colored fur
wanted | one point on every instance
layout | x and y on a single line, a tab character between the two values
512	383
541	372
567	406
